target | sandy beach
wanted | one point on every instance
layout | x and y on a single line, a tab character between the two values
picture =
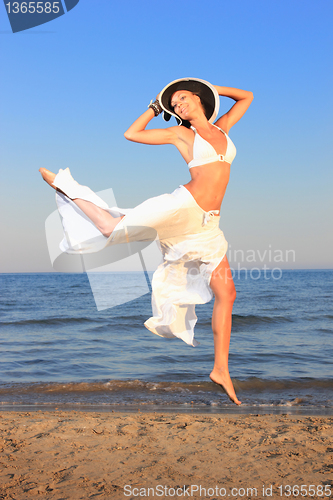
82	455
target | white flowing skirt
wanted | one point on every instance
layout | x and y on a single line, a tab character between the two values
190	239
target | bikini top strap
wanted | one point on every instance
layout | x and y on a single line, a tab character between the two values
220	129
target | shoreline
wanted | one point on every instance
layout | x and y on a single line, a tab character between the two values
80	455
291	410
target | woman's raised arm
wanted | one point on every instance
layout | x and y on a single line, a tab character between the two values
137	131
243	100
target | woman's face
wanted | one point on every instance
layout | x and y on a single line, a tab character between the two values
184	103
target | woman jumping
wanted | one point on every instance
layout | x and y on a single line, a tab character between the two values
195	266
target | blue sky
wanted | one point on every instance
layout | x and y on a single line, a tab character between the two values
71	87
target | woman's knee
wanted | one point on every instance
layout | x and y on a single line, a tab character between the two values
224	290
232	294
107	224
222	283
104	226
228	294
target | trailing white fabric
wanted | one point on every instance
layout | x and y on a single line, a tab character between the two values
190	239
73	189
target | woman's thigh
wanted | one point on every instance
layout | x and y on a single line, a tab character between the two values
222	283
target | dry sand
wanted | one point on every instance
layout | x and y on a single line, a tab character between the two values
76	455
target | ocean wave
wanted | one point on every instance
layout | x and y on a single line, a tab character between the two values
252	320
269	395
50	321
250	384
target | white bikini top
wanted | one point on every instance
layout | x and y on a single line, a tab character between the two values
203	152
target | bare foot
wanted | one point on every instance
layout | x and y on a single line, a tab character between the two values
222	378
48	176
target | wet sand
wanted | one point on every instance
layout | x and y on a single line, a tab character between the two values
82	455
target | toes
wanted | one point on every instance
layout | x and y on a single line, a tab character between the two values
229	390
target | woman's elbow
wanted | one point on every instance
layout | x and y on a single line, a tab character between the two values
128	135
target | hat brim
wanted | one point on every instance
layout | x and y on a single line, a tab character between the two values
208	95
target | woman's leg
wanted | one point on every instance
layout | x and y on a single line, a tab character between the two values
224	290
104	221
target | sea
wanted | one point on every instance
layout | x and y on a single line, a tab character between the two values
59	351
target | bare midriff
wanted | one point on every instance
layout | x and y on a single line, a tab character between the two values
208	184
